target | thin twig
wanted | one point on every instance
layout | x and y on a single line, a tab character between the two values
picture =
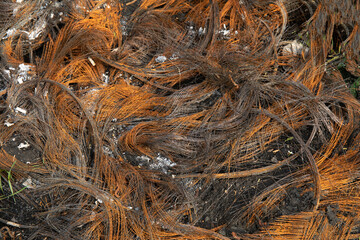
132	2
247	173
14	224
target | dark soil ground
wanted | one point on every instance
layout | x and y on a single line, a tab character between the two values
237	192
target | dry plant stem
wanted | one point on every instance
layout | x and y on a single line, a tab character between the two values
155	84
313	166
132	2
204	231
13	224
241	174
284	15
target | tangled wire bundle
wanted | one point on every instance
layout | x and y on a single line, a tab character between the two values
186	119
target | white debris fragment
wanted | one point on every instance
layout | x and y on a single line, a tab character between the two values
24	67
158	163
192	31
29	183
23	73
39	28
224	31
105	78
7	72
162	163
15	10
143	160
174	56
202	31
160	59
295	48
20	110
91	61
19	1
7	123
99	200
107	151
10	32
23	145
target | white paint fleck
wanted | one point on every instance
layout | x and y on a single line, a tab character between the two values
225	32
105	78
202	31
7	123
174	56
20	110
23	145
24	67
7	72
91	61
160	59
23	73
10	32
